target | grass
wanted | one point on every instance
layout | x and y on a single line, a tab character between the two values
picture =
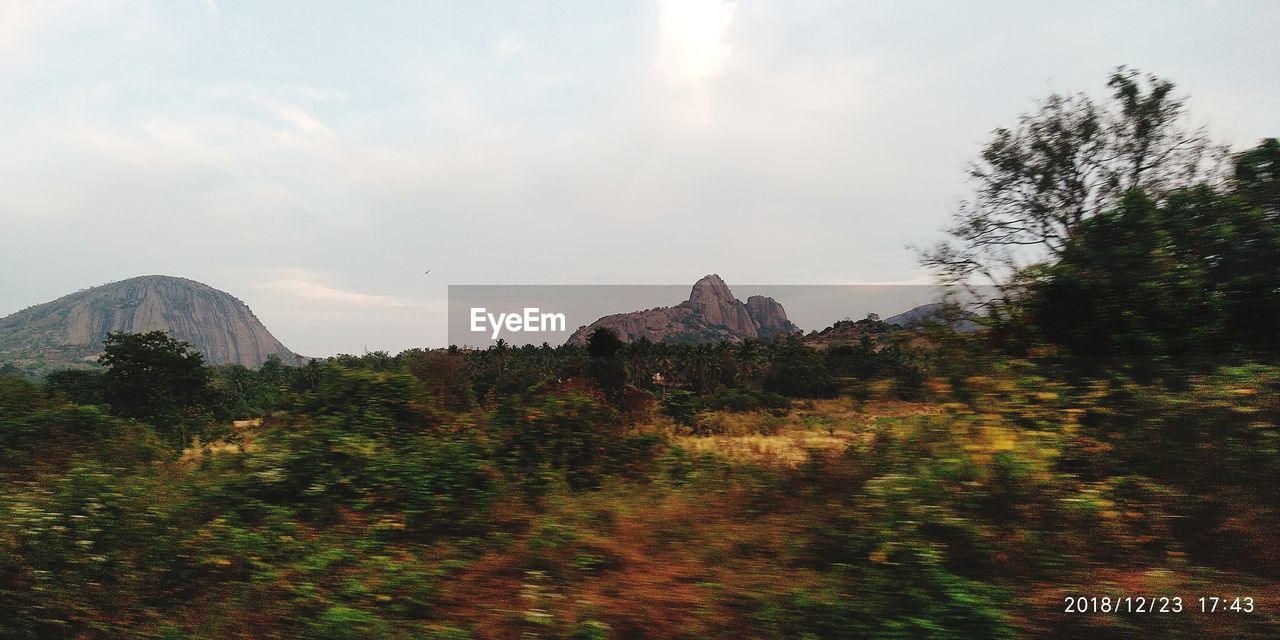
816	425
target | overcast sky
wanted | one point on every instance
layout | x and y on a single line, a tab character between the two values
315	158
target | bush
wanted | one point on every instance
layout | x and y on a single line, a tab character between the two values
80	386
372	402
30	423
442	486
742	400
445	378
567	432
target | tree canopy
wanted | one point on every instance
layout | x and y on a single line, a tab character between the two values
1074	157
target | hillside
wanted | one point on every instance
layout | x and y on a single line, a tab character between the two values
937	313
71	329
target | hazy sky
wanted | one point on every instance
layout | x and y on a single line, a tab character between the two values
314	158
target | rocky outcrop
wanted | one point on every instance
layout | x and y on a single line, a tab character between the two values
711	314
769	317
72	328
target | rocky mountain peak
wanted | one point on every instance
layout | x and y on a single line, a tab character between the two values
711	314
710	289
713	300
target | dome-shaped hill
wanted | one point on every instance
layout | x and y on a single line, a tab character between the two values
72	328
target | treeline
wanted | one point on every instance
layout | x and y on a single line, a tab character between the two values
154	378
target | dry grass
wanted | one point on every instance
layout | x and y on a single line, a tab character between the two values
242	441
819	425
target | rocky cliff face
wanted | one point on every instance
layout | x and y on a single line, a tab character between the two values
711	314
769	317
712	300
72	328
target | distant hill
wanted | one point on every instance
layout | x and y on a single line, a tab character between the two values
938	313
848	333
71	329
711	314
852	332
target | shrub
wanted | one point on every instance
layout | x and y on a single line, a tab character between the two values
567	432
442	486
741	400
371	402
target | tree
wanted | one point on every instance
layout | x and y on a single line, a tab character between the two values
1157	289
798	371
1070	160
444	375
151	376
81	386
682	406
604	343
1257	176
605	365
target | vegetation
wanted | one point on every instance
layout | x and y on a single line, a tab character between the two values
1114	433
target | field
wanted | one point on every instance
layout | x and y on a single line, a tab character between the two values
363	506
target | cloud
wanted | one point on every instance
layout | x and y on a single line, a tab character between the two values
303	285
301	123
509	46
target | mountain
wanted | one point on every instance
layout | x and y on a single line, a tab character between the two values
939	313
711	314
71	329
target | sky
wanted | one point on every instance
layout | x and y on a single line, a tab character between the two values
314	159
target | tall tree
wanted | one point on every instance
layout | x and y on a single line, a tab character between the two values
1071	159
152	376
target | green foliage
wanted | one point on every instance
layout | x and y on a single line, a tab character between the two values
153	377
798	371
442	486
682	406
368	401
444	376
740	400
436	485
1154	290
604	343
80	386
1257	176
240	393
569	432
590	630
344	623
31	422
